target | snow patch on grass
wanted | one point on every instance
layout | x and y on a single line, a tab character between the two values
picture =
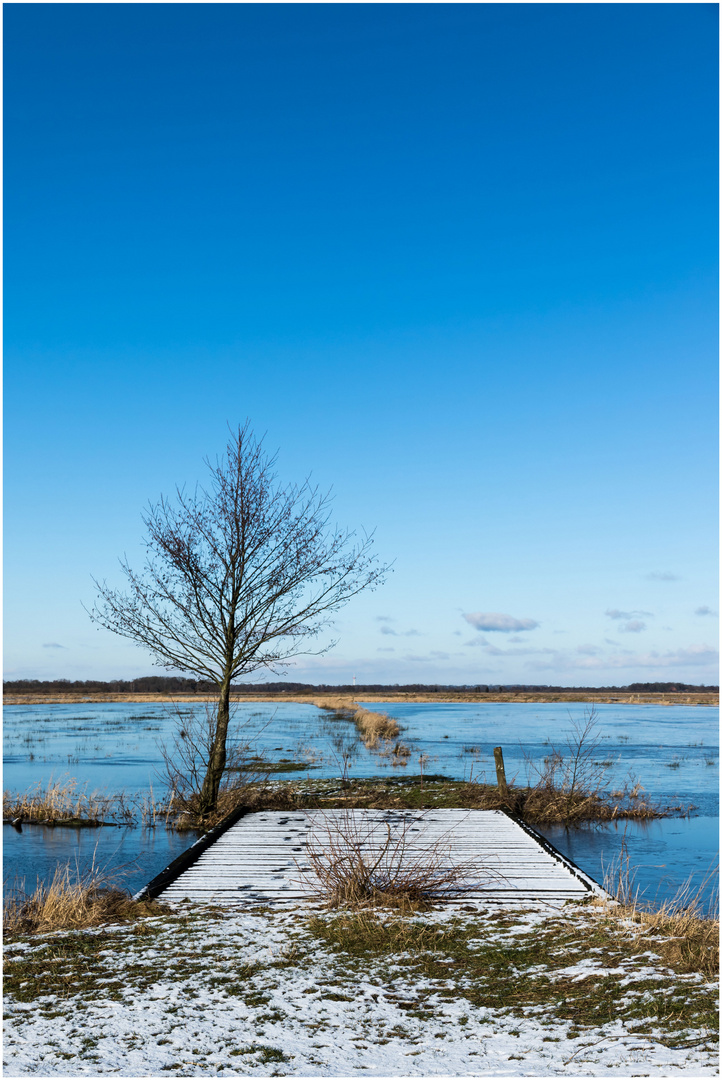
274	992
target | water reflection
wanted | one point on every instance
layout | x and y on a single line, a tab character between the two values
665	853
135	855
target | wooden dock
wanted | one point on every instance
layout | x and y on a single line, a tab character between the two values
262	858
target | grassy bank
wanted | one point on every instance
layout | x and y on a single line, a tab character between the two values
53	806
308	993
437	792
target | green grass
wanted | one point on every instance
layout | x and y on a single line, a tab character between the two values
500	969
439	792
76	964
524	973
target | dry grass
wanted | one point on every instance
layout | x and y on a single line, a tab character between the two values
72	901
374	728
710	698
65	802
363	860
689	938
683	930
546	805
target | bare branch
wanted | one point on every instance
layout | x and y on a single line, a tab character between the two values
239	575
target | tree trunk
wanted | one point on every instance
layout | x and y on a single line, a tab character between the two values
217	758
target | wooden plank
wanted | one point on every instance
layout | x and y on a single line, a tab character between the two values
262	857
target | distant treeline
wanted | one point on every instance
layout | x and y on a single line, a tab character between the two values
170	684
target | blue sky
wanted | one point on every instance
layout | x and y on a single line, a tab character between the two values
458	262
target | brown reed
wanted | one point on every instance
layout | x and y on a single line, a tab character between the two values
65	801
373	727
72	901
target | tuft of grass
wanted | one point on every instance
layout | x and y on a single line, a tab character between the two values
687	940
73	902
685	928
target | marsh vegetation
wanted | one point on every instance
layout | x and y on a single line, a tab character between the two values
324	762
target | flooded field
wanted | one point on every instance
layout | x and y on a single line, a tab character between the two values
672	751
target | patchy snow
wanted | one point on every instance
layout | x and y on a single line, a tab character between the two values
302	1012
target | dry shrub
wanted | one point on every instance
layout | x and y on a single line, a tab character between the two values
569	786
72	902
570	781
360	859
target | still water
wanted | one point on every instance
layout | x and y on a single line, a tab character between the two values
671	750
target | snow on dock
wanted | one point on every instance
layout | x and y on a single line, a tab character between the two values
263	857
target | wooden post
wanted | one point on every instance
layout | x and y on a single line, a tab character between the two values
500	774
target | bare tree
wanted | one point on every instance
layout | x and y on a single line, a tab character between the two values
238	576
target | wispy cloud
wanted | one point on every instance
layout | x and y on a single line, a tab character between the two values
496	621
704	610
385	649
632	623
430	657
694	656
54	645
615	613
662	575
527	650
400	633
384	618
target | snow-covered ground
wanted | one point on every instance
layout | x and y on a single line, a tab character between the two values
240	993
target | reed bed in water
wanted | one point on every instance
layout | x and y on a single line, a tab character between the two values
570	785
373	727
543	805
65	802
